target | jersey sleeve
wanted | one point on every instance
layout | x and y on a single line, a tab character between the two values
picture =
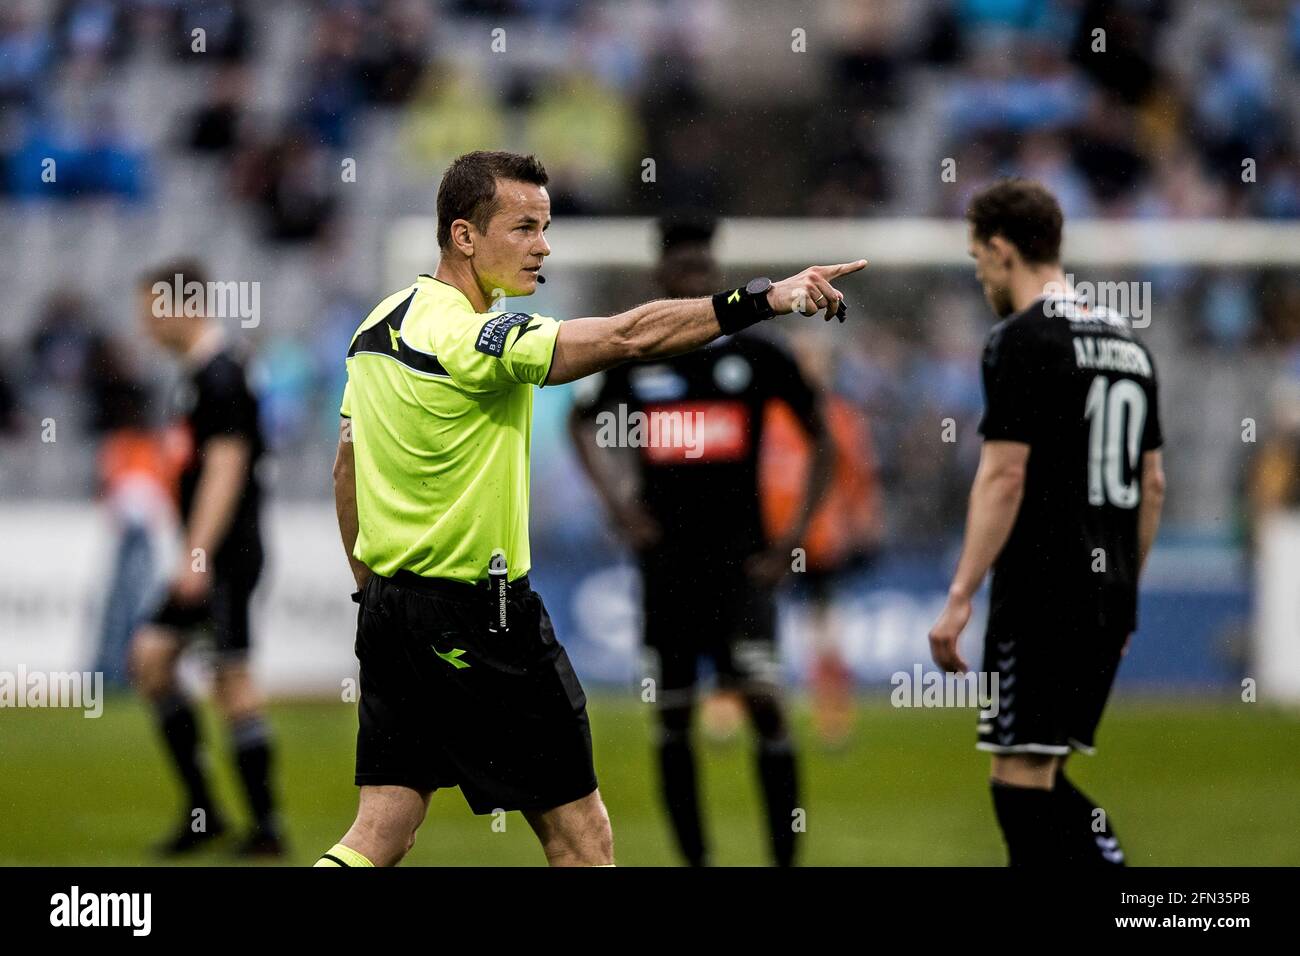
1007	371
345	406
487	351
226	406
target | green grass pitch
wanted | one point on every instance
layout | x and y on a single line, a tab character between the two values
1211	783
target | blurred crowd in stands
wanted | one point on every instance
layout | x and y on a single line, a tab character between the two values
1125	108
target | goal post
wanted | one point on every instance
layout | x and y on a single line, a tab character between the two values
603	242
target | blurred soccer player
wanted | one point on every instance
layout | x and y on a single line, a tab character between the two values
708	572
462	680
138	469
221	561
843	537
1064	506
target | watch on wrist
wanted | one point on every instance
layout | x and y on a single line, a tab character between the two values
738	308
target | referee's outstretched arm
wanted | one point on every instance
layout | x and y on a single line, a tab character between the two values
671	326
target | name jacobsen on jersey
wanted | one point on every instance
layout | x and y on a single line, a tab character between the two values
1113	355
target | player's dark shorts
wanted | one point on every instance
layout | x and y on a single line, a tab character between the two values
697	608
1053	683
225	612
446	703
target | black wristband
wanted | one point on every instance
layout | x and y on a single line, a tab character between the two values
737	309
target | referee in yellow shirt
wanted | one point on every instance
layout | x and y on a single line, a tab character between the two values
462	680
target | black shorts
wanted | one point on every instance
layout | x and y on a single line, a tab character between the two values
446	703
695	609
225	612
1053	683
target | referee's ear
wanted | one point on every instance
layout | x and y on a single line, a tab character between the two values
462	237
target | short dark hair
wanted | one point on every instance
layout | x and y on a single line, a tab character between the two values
190	270
469	187
1024	213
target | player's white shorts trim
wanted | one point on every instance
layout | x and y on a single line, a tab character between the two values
1055	750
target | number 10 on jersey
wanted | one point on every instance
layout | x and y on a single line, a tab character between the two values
1116	414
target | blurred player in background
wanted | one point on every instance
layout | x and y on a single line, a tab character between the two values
138	472
1273	472
846	530
1064	507
220	563
708	571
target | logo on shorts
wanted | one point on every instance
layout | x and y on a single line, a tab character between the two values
453	657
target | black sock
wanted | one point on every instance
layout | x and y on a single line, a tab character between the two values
1030	824
253	756
680	792
180	730
1089	839
776	771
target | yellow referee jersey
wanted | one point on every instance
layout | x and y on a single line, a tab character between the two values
441	403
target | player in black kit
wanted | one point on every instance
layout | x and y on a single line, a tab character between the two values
1064	507
708	572
221	561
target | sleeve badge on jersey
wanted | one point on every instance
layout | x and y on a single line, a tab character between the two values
492	337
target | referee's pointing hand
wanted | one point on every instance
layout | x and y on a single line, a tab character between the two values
811	291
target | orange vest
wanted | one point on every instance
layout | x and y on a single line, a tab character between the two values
847	521
129	452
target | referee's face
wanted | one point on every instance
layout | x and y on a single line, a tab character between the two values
508	256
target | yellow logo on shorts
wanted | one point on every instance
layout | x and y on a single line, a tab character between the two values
453	657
